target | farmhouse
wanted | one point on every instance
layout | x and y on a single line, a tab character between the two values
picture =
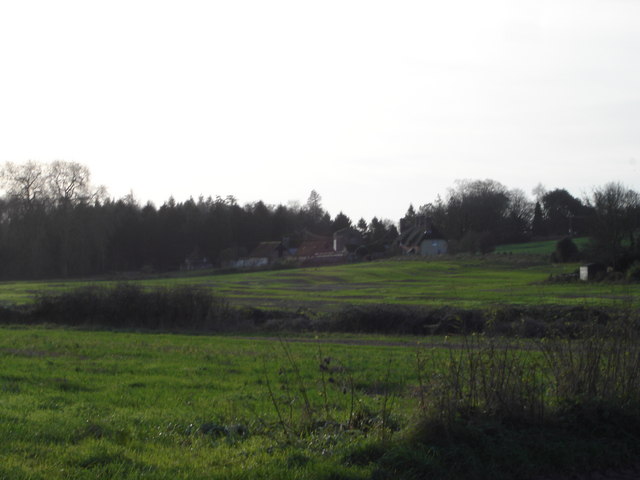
266	253
423	239
314	250
319	250
347	240
196	261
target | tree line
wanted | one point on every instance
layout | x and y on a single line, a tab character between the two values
477	215
55	223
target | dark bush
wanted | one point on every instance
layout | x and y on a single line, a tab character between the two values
566	251
633	272
128	305
614	277
404	320
476	242
193	308
376	318
13	314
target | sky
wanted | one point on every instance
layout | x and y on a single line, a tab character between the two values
375	105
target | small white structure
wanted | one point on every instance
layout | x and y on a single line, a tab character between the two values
434	246
589	271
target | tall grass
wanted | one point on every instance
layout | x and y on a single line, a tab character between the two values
516	379
482	376
603	366
496	407
325	399
491	406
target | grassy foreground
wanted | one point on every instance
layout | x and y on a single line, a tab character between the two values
79	404
86	405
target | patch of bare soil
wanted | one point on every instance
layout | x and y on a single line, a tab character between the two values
356	341
29	352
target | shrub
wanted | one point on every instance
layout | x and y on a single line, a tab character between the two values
128	305
633	272
476	242
404	320
566	251
602	366
502	408
483	376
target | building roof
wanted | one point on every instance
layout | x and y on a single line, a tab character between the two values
346	230
315	247
413	237
266	249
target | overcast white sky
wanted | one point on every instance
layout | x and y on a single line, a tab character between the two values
375	105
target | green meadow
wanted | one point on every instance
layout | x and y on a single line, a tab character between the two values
545	247
466	282
100	403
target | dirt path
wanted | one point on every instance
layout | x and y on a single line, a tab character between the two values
382	343
349	341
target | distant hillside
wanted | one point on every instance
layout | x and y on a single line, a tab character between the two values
546	247
467	281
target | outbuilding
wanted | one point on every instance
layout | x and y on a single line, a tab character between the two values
591	270
423	239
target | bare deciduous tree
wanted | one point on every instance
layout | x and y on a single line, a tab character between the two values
68	182
25	183
33	184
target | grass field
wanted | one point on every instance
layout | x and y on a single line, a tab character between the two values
545	248
79	404
100	405
450	281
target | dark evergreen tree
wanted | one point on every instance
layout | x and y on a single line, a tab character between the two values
340	221
409	219
362	226
537	224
